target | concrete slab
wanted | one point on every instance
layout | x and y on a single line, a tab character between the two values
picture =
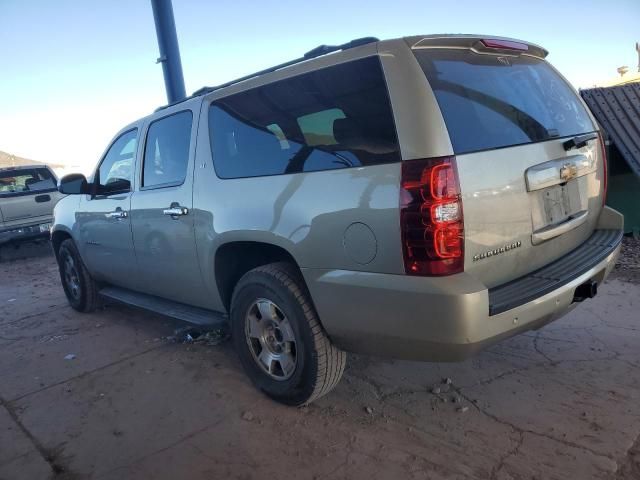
562	402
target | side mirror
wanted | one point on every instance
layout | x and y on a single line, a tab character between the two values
73	184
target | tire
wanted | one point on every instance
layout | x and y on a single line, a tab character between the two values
79	287
270	306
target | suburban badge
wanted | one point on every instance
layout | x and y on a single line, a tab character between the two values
496	251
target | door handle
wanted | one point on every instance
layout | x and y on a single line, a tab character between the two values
176	210
117	214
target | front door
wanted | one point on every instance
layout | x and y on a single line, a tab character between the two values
161	216
106	243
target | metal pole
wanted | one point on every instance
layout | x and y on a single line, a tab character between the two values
169	51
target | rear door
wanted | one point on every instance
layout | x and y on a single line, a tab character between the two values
527	200
28	195
161	211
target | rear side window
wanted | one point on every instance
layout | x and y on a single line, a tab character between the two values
166	153
491	101
24	181
337	117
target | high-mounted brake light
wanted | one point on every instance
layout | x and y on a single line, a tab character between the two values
603	149
504	44
431	217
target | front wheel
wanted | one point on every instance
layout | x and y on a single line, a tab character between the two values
279	339
79	287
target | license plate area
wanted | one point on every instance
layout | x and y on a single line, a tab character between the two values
559	192
558	204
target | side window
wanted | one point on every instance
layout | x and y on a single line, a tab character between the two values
166	153
23	181
114	173
42	180
336	117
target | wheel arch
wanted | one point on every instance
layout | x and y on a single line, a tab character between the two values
234	259
57	237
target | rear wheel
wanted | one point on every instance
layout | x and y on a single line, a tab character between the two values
281	344
79	287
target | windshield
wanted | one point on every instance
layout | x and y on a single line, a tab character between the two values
491	101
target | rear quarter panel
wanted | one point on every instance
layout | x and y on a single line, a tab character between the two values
307	214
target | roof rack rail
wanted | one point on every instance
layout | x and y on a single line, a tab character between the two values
316	52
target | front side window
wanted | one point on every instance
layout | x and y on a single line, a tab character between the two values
24	181
115	172
336	117
166	154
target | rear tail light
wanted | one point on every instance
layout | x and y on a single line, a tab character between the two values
603	149
431	217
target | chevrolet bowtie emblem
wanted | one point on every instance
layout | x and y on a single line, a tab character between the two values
568	171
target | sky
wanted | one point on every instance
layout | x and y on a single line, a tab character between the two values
73	72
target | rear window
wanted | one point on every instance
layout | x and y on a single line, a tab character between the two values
336	117
24	181
491	101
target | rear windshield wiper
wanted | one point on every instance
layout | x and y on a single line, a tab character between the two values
579	141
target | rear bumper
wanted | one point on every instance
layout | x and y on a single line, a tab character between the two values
433	319
25	232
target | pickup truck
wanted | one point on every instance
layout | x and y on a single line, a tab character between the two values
27	197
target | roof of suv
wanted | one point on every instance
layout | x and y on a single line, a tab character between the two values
319	51
416	41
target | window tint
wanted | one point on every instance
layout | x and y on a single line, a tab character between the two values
25	181
114	173
490	101
166	152
337	117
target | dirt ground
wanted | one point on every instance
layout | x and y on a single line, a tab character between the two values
559	403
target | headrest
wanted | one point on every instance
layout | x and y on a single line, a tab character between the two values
350	136
346	131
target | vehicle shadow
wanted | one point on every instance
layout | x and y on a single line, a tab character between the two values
22	250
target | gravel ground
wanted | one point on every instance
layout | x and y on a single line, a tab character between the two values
628	265
107	396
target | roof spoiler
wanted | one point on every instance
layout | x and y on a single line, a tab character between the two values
479	44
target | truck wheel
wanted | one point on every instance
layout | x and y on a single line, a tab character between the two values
79	287
279	339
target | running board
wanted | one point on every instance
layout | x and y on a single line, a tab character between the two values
195	315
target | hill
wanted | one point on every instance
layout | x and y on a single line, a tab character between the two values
9	160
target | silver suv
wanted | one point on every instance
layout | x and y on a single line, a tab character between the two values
418	198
